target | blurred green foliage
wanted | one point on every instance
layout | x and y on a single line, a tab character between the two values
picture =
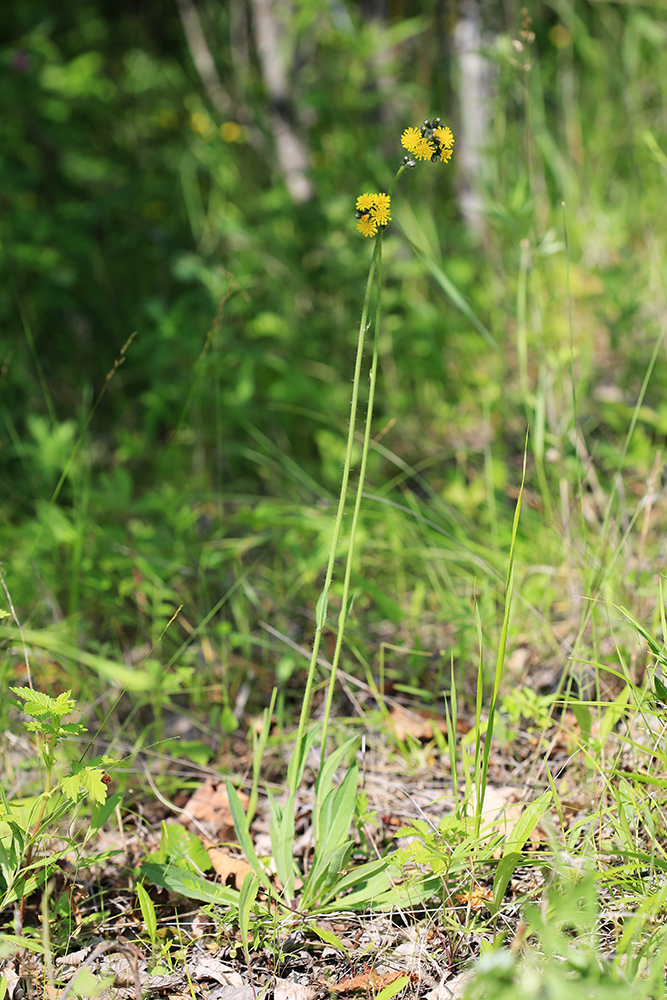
134	198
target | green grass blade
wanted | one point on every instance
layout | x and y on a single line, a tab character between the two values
502	645
514	844
282	843
240	821
247	897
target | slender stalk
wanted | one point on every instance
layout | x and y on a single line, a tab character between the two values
322	603
321	613
342	617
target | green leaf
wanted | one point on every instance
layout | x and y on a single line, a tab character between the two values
189	884
71	786
350	603
324	780
242	832
325	875
514	844
504	872
147	912
101	813
282	843
38	704
17	941
92	782
247	897
393	988
337	813
297	763
178	845
117	674
656	648
450	289
321	609
328	937
660	689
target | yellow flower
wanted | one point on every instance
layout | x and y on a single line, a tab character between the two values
444	134
433	141
381	210
365	202
372	211
367	226
410	138
423	149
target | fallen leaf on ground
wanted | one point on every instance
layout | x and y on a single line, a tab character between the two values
231	870
205	967
368	980
285	989
209	806
244	992
501	811
479	898
416	722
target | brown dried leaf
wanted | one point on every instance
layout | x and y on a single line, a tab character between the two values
479	898
416	722
209	806
231	870
369	981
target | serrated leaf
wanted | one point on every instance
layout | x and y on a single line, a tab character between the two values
93	785
71	786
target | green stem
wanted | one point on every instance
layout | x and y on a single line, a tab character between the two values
342	617
322	603
321	613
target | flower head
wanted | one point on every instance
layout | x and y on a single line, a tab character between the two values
372	212
365	202
432	141
367	226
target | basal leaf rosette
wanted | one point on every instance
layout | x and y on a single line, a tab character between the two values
372	213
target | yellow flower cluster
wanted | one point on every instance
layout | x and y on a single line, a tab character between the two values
432	141
372	211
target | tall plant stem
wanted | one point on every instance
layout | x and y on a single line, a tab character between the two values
344	609
321	611
321	614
